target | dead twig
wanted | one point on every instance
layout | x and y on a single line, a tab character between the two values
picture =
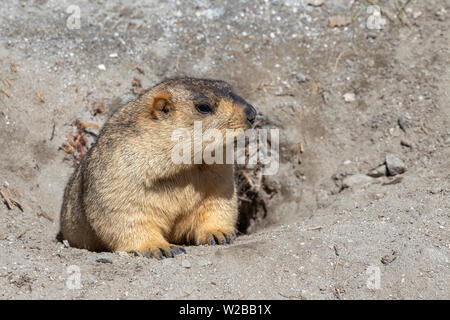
41	213
422	127
13	67
249	179
53	131
22	234
138	67
6	93
10	202
298	147
41	97
338	59
81	125
6	82
98	106
400	10
336	264
6	199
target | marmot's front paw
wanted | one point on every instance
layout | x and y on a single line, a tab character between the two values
217	237
164	252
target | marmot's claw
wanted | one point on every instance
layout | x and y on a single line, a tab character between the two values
221	238
230	237
166	252
177	250
153	254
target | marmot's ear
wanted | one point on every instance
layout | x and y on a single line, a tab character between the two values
160	105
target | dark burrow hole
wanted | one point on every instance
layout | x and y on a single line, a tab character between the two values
253	198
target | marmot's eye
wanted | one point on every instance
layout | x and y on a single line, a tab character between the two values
203	108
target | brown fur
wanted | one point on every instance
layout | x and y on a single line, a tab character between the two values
128	195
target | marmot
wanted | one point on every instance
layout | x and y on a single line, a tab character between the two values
128	195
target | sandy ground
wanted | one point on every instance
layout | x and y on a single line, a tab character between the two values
349	95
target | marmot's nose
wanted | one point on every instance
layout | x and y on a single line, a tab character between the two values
250	112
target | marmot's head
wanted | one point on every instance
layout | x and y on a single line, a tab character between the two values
178	103
193	111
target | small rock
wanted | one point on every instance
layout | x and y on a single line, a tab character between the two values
10	238
349	97
300	77
113	55
394	165
101	67
103	260
122	253
186	264
436	190
406	143
416	14
66	243
339	21
378	172
204	263
315	3
441	14
402	124
378	196
356	180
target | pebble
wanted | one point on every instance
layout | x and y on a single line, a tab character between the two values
300	77
66	243
416	14
315	3
378	172
186	264
401	123
349	97
394	165
101	67
204	263
103	260
406	143
122	253
356	180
